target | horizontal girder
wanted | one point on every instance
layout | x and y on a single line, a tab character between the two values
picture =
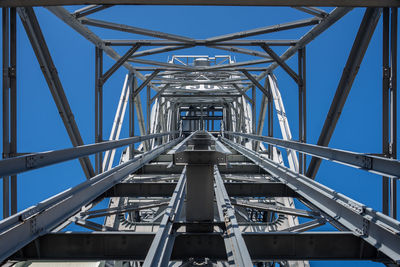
269	189
261	246
353	3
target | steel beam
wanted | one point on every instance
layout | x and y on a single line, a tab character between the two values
159	50
135	30
118	121
264	30
393	106
241	50
328	21
162	64
122	209
385	104
313	11
264	189
332	3
148	107
373	227
119	63
233	65
281	63
198	42
20	229
275	208
9	40
261	116
262	246
98	107
49	70
201	95
360	45
160	250
374	164
234	242
131	118
254	111
87	10
302	106
144	83
75	24
266	92
270	111
37	160
239	89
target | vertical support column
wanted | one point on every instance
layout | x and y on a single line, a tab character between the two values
302	105
13	102
202	117
253	109
9	105
148	113
389	105
393	108
212	121
98	106
132	88
199	196
200	159
6	109
385	106
253	114
270	113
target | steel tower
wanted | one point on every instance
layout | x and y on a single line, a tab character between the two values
201	185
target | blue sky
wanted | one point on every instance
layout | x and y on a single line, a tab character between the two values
40	127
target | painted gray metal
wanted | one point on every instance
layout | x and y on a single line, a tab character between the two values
262	246
20	229
38	160
48	68
374	164
373	236
234	242
353	3
328	21
199	42
136	30
374	227
275	208
264	30
261	189
74	23
159	253
360	45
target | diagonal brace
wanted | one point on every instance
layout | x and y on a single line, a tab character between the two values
148	79
281	63
49	70
119	63
242	93
256	83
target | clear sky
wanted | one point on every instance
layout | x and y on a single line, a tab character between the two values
40	127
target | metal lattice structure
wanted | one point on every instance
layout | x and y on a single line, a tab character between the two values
202	186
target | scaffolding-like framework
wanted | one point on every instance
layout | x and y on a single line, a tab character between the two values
203	186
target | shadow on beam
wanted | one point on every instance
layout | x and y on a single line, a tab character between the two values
134	246
269	189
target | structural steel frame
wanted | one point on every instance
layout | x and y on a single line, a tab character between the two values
153	205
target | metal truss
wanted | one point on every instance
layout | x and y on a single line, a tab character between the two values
203	186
